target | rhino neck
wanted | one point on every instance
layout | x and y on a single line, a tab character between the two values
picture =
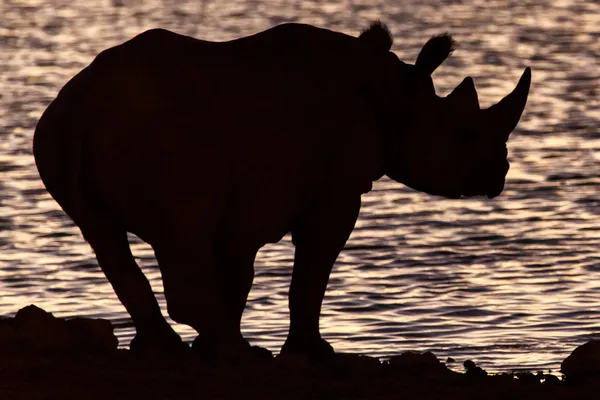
409	103
393	110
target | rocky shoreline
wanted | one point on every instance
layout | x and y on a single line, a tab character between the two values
46	357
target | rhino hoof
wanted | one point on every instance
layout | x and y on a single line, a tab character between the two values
314	350
167	343
261	353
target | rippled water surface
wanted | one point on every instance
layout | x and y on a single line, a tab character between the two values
510	282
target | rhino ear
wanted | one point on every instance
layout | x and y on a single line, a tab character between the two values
378	36
435	51
465	96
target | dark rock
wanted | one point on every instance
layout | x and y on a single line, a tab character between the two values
92	335
349	365
450	360
36	331
412	360
504	378
292	362
215	354
473	370
551	380
583	364
40	332
261	353
9	340
418	364
528	378
340	366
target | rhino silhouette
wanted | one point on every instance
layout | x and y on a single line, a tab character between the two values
207	151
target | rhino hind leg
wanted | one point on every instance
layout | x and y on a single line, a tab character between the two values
153	333
193	298
234	269
319	240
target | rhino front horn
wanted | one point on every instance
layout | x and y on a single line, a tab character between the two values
504	116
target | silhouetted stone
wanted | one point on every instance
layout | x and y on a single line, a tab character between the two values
292	362
9	340
92	335
40	332
418	364
414	360
409	376
261	353
584	363
528	378
36	331
504	378
551	380
473	370
349	365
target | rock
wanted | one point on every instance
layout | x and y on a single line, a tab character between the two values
473	370
583	364
92	335
418	364
9	340
551	380
340	366
528	378
412	360
214	353
40	332
261	353
349	365
292	362
36	331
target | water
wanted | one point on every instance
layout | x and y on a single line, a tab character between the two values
510	282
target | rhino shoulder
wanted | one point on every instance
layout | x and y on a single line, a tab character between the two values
153	41
154	34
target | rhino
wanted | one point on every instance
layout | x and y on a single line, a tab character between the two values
208	151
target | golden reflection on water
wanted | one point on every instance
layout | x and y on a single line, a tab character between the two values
509	282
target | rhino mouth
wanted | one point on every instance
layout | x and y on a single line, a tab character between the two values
495	189
490	190
494	192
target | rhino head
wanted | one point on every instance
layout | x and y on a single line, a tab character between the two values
448	146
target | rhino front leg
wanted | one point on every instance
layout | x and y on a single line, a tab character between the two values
234	273
319	239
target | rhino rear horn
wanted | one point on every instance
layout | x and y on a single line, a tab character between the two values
505	115
465	96
435	51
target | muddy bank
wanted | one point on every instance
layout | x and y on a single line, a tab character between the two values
45	357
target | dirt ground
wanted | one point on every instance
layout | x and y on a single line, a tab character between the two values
42	357
123	375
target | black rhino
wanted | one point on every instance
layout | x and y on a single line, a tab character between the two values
207	151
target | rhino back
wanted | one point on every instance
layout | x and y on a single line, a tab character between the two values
255	128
